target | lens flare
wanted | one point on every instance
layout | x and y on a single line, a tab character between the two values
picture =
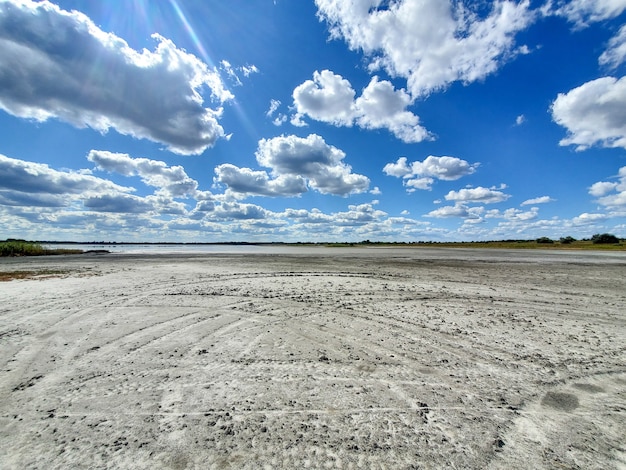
191	32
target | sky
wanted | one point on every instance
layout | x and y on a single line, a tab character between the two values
312	120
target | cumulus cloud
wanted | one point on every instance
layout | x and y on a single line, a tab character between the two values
513	215
380	106
311	158
602	188
615	54
477	195
356	215
457	210
431	43
173	181
471	215
29	184
584	12
122	203
327	98
330	98
239	211
593	114
611	194
399	169
588	219
258	183
19	176
537	200
422	175
59	64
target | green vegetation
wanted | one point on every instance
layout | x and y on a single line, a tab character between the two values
604	238
544	243
13	247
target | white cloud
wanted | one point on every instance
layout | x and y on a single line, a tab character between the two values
355	216
274	105
586	219
330	98
602	190
399	169
28	178
615	54
413	184
443	168
311	158
537	200
431	43
297	120
477	195
519	120
239	211
258	183
172	180
122	203
327	98
594	114
457	210
280	118
359	214
231	71
380	106
422	175
614	201
35	185
248	70
513	214
59	64
584	12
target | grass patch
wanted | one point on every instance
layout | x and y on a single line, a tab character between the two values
13	247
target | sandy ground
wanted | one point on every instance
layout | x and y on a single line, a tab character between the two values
336	358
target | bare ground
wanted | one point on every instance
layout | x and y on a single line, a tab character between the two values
331	359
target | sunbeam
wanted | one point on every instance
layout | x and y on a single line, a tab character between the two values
192	33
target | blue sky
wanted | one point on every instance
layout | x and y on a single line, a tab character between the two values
326	120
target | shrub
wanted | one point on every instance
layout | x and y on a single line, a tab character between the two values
13	247
604	238
545	240
567	240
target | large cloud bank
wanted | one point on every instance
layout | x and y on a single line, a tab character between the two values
59	64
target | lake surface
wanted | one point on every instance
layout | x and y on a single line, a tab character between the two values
389	252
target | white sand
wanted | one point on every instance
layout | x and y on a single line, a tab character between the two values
377	358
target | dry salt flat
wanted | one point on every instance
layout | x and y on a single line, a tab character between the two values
315	358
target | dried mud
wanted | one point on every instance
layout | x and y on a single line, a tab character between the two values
331	359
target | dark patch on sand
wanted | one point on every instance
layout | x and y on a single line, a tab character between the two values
560	401
589	388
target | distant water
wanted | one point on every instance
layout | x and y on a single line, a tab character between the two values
381	252
175	249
